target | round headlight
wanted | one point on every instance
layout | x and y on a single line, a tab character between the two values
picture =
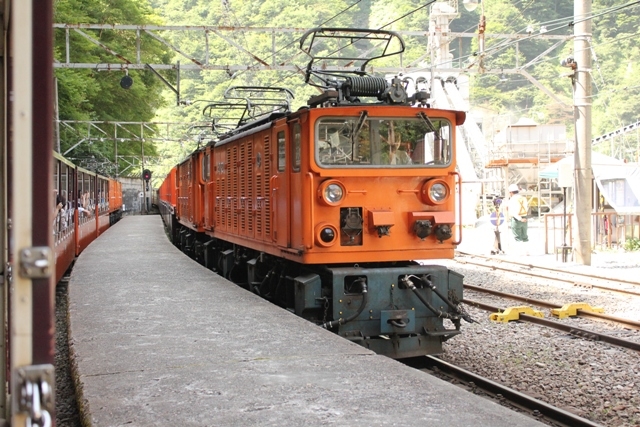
435	192
438	192
333	193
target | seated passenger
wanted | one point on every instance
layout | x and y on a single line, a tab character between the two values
84	208
58	202
63	211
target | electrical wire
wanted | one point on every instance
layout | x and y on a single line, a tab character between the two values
560	24
613	9
354	40
408	13
298	39
565	23
394	21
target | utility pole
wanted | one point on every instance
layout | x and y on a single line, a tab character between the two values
582	110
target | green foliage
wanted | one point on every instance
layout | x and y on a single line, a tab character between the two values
632	244
92	95
616	77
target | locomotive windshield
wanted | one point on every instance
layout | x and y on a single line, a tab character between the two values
383	142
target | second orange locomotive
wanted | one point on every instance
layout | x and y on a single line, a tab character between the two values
325	210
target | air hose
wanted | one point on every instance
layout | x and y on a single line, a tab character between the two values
435	311
341	321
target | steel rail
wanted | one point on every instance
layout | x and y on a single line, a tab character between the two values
559	279
584	333
540	303
519	399
557	270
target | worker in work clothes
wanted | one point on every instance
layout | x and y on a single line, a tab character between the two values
517	209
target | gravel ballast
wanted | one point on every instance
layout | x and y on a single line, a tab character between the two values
595	380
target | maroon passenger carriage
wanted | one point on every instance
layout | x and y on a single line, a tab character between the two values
90	204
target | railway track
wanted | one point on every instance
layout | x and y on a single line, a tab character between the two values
580	313
587	373
585	280
539	410
584	333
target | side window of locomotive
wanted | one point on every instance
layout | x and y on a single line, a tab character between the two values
383	142
297	136
205	167
282	150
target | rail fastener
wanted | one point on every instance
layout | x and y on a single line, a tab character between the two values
513	313
571	309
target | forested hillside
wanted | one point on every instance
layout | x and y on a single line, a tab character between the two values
93	95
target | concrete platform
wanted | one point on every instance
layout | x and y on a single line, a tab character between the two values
160	340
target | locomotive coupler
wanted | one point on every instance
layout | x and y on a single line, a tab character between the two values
351	222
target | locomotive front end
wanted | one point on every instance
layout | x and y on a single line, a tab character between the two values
387	186
384	197
385	200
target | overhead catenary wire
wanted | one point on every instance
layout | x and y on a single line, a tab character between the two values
563	23
394	21
558	24
612	9
298	39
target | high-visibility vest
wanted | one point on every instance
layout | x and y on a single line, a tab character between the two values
522	201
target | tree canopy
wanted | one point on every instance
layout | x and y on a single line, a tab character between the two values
96	95
93	95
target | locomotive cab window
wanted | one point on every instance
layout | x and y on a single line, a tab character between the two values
297	131
383	142
206	171
282	150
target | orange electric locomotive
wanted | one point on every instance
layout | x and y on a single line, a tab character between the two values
330	210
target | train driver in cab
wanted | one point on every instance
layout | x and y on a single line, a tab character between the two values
398	154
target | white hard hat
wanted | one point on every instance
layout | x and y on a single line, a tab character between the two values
513	188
